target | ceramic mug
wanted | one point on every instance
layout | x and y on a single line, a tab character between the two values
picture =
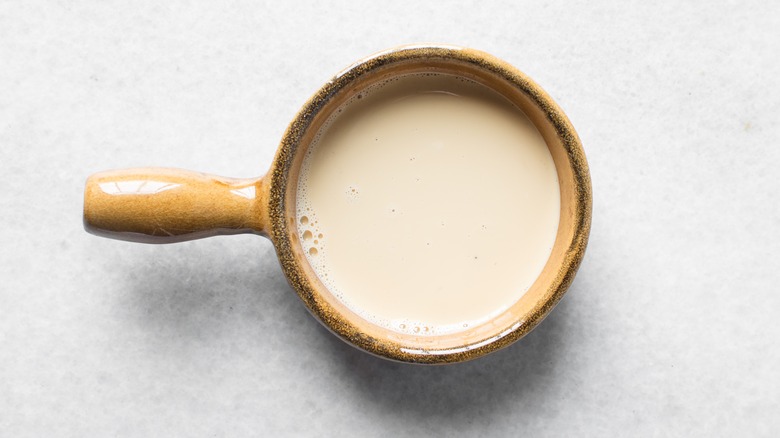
157	205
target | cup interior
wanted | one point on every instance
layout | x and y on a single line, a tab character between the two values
571	237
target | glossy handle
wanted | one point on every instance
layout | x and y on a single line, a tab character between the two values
160	205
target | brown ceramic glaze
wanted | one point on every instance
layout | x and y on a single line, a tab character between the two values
169	205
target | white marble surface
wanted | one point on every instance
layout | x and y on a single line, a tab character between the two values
670	329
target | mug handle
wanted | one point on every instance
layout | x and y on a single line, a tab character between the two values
164	205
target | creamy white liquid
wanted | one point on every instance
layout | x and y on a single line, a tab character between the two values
428	204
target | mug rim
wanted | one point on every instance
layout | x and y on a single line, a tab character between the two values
282	226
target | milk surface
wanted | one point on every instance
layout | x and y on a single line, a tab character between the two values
428	204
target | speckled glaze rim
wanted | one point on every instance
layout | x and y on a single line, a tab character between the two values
282	228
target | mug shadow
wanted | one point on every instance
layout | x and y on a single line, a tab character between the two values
200	293
519	372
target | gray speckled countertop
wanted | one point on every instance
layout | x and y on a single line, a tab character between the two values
669	329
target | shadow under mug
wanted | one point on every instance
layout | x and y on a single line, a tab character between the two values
158	205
